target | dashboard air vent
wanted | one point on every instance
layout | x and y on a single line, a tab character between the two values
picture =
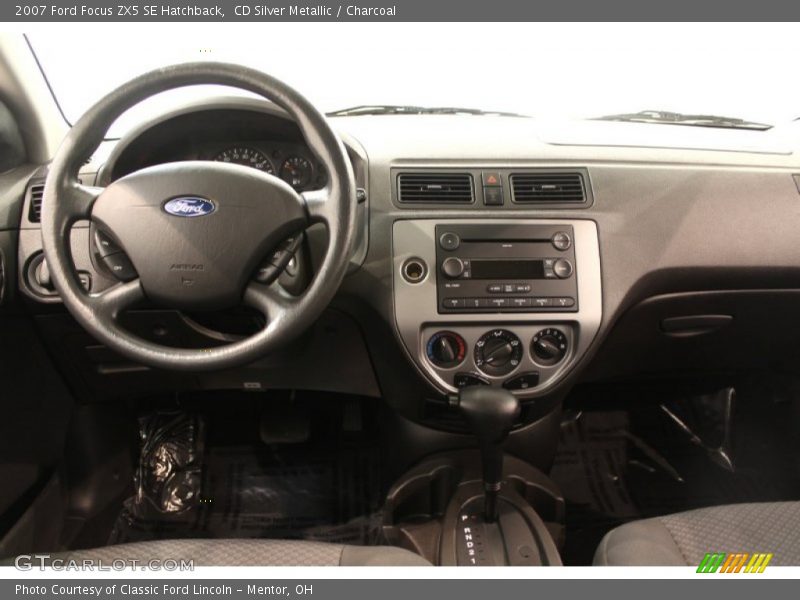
555	187
35	207
435	187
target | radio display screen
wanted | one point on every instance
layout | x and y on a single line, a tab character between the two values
507	269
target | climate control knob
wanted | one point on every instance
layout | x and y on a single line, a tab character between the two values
452	267
498	352
549	346
446	349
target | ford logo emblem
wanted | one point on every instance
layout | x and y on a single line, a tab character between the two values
189	206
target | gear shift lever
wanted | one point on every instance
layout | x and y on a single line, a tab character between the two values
490	413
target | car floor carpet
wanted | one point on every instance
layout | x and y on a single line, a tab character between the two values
253	492
210	474
632	462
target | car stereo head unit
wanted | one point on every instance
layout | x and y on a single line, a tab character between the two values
506	268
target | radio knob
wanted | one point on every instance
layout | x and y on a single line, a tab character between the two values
562	268
452	267
449	241
561	241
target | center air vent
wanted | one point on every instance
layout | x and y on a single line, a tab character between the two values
36	192
555	187
435	187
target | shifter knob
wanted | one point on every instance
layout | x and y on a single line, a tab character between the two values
490	412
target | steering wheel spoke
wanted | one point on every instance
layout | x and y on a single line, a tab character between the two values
117	298
80	199
318	205
271	300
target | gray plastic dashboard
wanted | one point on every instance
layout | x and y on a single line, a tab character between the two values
665	220
668	219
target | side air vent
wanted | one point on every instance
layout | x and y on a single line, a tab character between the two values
548	188
435	187
36	192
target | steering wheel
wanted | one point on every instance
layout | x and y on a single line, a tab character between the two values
196	232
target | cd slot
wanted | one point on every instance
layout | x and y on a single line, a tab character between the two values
507	269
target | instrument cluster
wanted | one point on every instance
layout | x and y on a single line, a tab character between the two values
291	162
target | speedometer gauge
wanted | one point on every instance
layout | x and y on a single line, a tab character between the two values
242	155
297	172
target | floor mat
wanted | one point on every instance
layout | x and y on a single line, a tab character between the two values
293	491
633	462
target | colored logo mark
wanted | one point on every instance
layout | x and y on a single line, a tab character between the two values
189	206
739	562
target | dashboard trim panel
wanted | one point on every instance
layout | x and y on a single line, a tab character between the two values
416	316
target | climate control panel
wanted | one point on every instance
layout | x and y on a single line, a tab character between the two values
512	303
519	358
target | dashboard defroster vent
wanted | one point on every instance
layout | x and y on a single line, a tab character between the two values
555	187
36	192
435	187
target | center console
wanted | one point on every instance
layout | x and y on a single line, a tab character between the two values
453	514
496	302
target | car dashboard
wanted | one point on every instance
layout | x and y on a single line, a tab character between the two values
492	251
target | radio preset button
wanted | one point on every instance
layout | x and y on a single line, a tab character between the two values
453	303
562	268
449	241
561	241
521	302
565	302
452	267
498	302
476	302
542	302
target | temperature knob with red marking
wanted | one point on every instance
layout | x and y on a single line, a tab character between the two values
446	349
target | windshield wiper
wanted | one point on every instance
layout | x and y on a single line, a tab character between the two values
673	118
389	109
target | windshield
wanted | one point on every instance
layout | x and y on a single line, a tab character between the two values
565	71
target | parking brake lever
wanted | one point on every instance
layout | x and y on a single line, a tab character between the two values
490	413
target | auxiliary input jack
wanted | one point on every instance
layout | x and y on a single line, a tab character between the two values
414	270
